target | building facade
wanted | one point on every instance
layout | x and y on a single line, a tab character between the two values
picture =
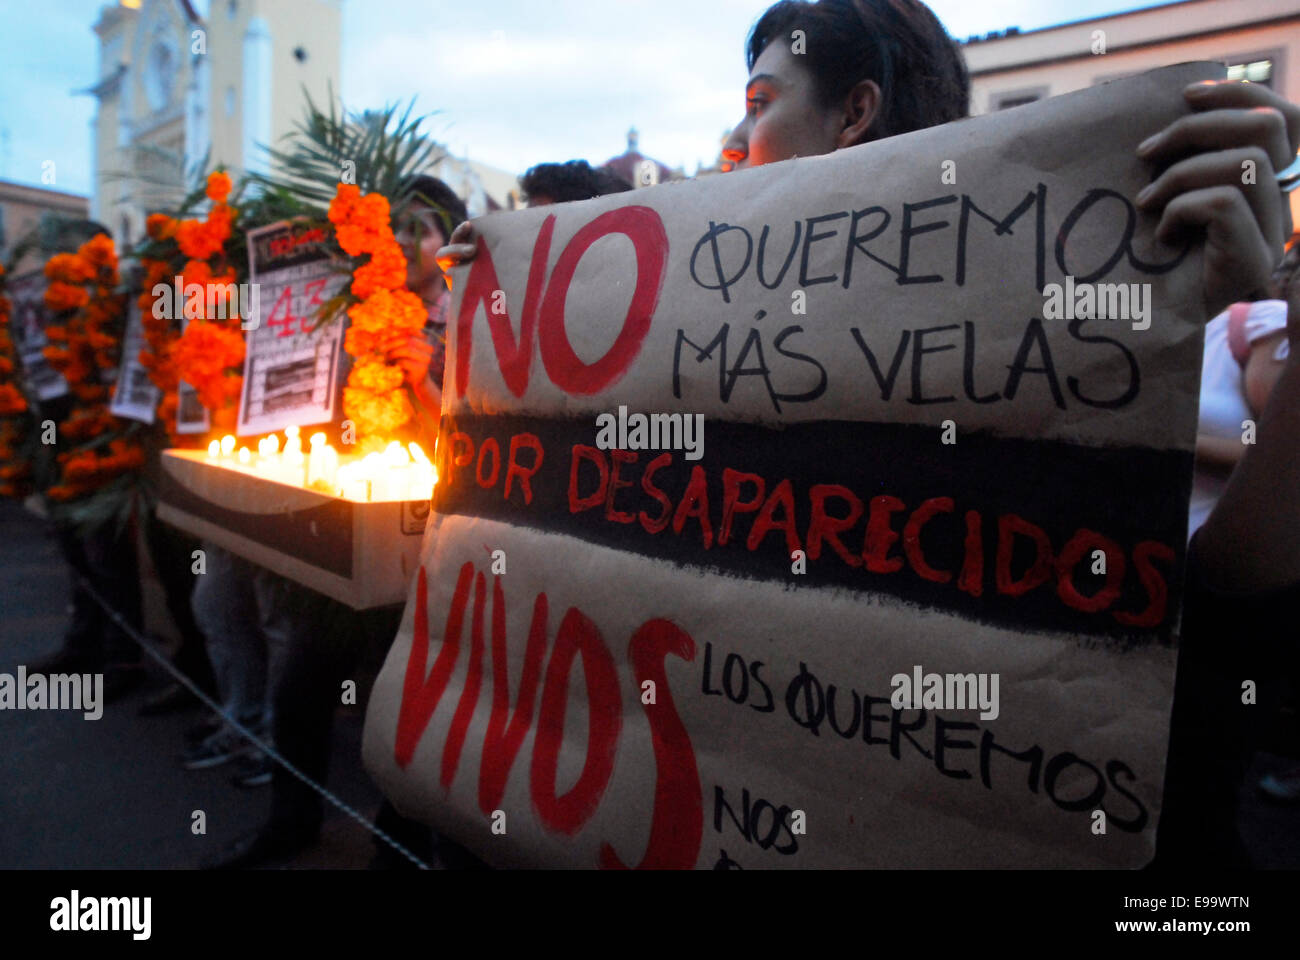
178	84
1259	40
21	209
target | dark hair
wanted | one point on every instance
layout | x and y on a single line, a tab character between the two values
432	193
575	180
899	44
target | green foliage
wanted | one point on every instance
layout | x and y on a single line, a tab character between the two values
387	146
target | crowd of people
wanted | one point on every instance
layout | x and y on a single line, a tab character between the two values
273	653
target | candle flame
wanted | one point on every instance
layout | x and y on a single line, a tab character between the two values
401	472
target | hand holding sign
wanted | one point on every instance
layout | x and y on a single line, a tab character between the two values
1219	177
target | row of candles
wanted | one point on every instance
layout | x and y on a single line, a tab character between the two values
398	473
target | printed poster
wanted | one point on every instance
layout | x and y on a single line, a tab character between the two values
291	368
28	329
135	396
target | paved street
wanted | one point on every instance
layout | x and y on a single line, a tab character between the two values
113	793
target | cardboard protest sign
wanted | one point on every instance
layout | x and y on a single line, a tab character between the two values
291	367
28	328
911	597
135	395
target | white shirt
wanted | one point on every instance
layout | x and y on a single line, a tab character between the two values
1223	395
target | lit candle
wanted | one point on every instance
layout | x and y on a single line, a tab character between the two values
375	469
214	449
423	476
352	484
227	445
293	464
322	462
268	457
245	457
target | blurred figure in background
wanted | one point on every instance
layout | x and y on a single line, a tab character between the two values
549	183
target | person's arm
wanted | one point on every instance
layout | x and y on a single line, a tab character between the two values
1258	378
1223	452
1262	371
414	354
1251	541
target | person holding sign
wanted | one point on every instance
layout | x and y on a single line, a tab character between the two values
835	74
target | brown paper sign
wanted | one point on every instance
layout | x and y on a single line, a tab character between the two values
825	514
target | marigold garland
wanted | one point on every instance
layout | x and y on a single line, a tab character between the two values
374	397
15	470
85	343
209	355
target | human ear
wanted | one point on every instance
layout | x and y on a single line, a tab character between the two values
861	106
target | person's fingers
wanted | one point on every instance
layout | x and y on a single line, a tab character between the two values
1233	94
455	253
1263	126
461	247
407	354
1223	168
1238	260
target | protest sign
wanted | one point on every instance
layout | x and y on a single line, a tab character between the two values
912	597
135	395
28	327
291	366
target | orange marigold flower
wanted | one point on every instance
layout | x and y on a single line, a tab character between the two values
89	392
376	414
99	250
11	400
357	341
220	218
60	296
159	226
373	373
70	268
387	310
386	270
218	186
197	240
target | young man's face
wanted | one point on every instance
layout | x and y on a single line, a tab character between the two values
783	118
422	269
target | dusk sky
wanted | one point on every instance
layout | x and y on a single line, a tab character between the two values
513	83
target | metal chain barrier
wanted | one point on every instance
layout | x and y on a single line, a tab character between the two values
161	658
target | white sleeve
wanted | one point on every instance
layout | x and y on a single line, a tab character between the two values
1265	318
